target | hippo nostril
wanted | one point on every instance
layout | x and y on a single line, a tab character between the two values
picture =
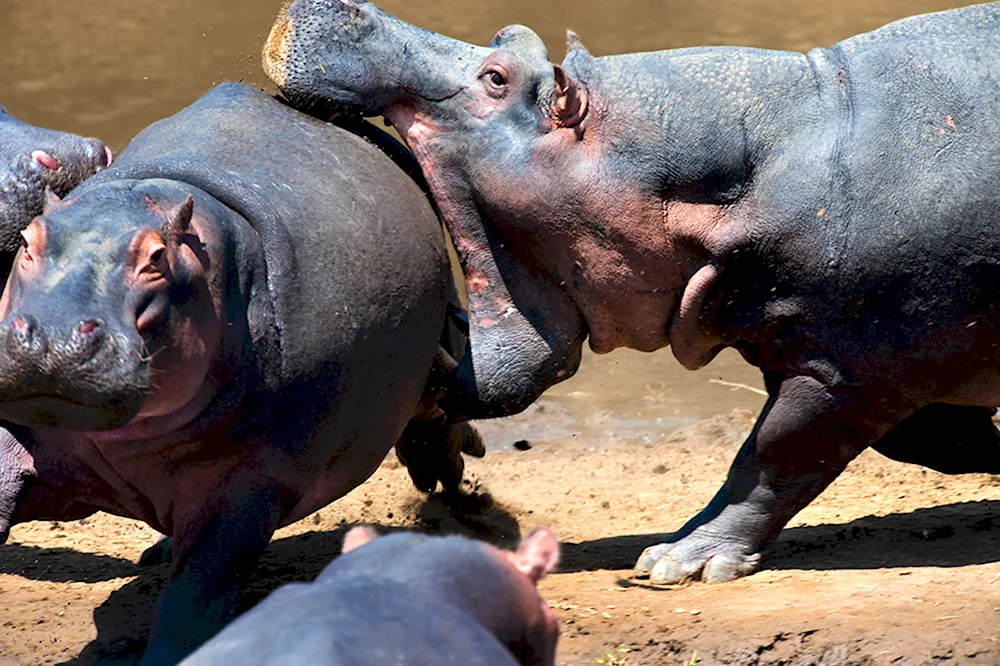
88	327
45	160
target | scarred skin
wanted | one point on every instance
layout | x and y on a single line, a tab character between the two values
405	599
831	215
222	333
33	158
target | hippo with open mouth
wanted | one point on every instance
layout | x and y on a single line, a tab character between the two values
831	215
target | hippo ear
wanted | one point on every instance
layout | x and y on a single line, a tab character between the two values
569	101
177	221
574	43
52	201
537	555
358	536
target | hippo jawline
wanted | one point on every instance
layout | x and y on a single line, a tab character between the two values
60	412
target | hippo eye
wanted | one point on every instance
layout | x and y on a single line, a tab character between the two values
156	257
497	79
24	246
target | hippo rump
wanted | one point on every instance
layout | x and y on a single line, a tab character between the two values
31	159
405	599
222	333
831	215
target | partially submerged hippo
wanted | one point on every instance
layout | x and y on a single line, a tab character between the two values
220	334
405	599
833	216
33	158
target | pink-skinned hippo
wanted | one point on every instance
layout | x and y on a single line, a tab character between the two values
404	599
32	159
223	332
831	215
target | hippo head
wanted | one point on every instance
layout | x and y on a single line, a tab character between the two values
106	316
498	588
31	159
523	170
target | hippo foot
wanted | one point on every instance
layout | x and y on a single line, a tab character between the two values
432	451
696	558
161	552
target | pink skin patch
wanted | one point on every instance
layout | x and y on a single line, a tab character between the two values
45	160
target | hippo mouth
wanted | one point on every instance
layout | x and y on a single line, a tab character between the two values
57	411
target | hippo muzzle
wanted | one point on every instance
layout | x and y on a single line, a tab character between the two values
86	377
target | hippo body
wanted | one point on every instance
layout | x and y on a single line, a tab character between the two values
33	158
408	600
219	335
831	215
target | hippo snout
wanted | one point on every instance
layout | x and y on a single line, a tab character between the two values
80	376
26	340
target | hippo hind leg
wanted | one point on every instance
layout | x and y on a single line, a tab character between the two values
953	439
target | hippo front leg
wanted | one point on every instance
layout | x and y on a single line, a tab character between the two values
16	470
806	436
216	550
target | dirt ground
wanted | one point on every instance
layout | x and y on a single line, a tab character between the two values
892	565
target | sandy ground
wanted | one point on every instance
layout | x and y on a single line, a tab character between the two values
892	565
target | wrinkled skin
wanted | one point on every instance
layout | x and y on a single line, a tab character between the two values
831	215
404	599
32	159
220	334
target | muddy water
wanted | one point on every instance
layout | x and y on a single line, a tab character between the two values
108	68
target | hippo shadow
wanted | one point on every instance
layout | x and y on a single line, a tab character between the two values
125	619
951	535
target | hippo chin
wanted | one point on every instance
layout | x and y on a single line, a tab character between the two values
831	215
220	334
33	159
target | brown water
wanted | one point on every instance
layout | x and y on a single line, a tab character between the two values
108	68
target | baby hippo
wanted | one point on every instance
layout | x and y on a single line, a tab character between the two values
403	599
33	159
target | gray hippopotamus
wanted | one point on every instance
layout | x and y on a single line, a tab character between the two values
220	334
33	158
405	599
831	215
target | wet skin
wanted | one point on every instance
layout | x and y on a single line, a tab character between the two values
404	599
830	215
33	158
222	333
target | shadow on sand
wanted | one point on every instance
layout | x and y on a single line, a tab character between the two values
951	535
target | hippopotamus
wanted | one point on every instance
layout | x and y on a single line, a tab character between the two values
830	215
33	159
220	334
405	599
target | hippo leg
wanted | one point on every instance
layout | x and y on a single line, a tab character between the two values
214	556
161	552
16	471
805	437
432	451
953	439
